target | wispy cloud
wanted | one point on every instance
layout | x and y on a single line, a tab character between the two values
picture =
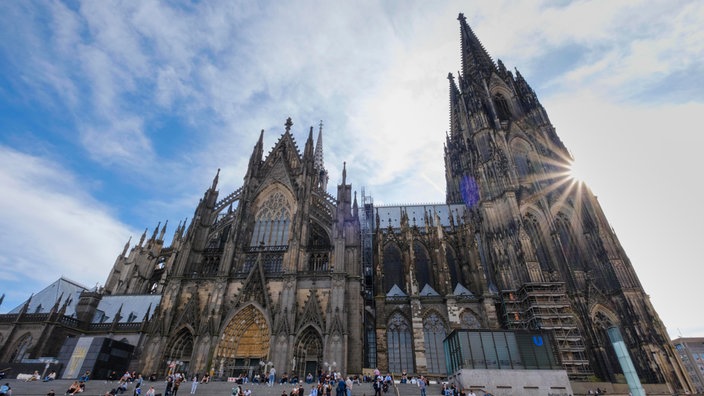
51	226
159	95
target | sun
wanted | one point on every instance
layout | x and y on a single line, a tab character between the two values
576	172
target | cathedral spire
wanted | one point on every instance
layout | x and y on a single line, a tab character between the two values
308	150
455	128
127	246
344	173
144	235
319	149
156	229
163	231
476	62
257	155
215	180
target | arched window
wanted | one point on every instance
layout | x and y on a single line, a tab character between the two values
272	222
393	268
452	264
22	349
320	248
536	238
567	241
469	321
400	344
503	112
423	274
434	333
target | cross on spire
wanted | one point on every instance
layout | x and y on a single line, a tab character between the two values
288	124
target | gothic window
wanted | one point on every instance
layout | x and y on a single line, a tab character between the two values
567	241
423	274
503	112
320	247
272	222
535	234
400	344
22	349
469	321
434	333
452	264
393	268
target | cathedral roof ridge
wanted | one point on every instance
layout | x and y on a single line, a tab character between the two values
405	205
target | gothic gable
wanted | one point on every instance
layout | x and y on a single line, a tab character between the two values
254	288
312	313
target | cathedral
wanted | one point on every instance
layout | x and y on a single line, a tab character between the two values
281	273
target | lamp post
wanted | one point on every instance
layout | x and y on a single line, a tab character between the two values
47	362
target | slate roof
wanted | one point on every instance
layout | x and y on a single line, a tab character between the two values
44	300
396	292
392	214
132	307
462	291
428	291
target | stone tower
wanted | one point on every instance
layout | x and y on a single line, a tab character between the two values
519	244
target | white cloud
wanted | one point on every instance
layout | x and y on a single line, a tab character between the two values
375	73
50	226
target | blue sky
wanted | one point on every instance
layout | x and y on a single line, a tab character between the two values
115	116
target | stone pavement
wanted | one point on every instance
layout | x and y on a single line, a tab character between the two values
215	388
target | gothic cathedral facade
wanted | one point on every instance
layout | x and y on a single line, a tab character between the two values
268	275
281	273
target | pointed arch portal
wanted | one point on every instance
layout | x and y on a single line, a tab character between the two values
179	352
244	343
308	354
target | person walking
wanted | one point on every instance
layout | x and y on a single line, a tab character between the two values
194	384
272	376
422	385
341	388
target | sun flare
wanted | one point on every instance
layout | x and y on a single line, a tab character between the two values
576	172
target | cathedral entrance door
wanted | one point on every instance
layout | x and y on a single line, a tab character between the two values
308	353
312	367
244	343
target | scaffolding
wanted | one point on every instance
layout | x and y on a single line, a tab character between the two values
366	220
545	306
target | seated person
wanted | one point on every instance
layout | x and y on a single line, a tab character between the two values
74	388
33	377
50	377
284	378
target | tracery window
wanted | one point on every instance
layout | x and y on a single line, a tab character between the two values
393	268
423	274
502	109
535	234
22	349
451	259
469	321
400	344
434	333
567	241
272	222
